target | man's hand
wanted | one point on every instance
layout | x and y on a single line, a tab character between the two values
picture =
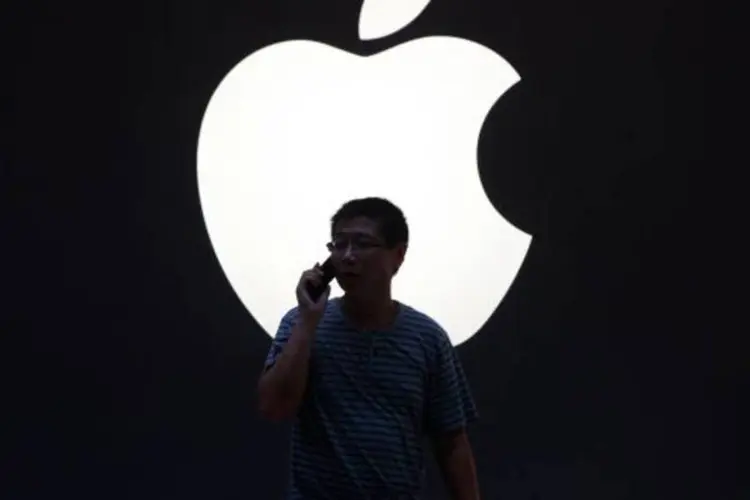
311	311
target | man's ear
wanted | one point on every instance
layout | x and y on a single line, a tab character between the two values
400	254
401	251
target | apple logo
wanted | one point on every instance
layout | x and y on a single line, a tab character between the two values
297	128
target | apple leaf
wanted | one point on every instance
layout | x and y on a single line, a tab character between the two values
380	18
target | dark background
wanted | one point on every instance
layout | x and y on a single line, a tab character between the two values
132	364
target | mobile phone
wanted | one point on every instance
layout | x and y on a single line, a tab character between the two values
328	274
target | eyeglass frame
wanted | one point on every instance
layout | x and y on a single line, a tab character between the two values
353	246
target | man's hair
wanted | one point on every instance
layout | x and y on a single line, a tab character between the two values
389	218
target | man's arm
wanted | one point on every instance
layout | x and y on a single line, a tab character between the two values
282	386
456	460
450	408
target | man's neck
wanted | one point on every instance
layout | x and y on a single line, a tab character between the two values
370	314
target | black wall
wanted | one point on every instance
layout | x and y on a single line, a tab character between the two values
132	364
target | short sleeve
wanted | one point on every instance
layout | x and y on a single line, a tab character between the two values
279	340
450	404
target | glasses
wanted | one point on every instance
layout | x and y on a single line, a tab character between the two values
357	245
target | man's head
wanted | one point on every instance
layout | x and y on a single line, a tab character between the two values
369	237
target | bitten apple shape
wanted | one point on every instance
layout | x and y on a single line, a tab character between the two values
298	128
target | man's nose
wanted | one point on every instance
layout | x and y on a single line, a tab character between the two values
348	253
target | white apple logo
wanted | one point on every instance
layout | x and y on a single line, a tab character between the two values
298	128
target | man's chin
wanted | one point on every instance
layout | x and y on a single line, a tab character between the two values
348	283
355	290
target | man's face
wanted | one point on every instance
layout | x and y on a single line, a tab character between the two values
364	265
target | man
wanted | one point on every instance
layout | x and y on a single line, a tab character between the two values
367	378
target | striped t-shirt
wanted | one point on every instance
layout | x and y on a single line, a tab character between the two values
371	400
